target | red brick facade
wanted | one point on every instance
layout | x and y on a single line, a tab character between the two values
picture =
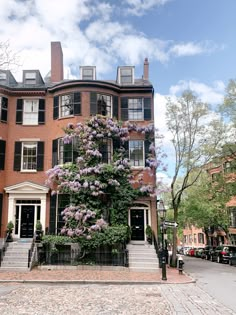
19	188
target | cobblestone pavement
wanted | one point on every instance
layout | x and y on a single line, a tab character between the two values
70	299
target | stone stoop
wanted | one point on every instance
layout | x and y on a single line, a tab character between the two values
143	258
16	256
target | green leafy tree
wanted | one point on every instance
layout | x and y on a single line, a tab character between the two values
196	137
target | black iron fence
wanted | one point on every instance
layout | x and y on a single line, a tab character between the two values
75	257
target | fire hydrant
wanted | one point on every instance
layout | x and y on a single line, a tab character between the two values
180	265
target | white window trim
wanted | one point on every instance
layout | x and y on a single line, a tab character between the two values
138	166
22	156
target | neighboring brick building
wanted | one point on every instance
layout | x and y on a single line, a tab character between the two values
32	116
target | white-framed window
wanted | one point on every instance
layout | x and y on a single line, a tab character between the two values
30	112
66	105
29	156
100	104
135	109
3	76
88	73
64	153
136	153
30	78
105	149
126	75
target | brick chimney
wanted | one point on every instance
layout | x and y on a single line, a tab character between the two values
56	62
146	69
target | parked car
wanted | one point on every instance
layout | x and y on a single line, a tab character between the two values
206	253
223	253
191	252
186	249
232	259
198	252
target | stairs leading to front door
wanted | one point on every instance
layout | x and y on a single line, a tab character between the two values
16	256
143	258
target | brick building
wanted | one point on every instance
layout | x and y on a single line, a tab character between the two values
32	116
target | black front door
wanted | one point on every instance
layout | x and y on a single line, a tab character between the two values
137	224
27	222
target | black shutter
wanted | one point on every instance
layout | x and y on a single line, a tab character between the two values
147	109
1	201
54	152
77	104
126	149
19	111
2	154
41	117
3	114
52	217
55	107
124	108
115	107
75	149
40	156
147	144
17	156
93	103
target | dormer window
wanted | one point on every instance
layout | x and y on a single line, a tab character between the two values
126	75
88	73
3	76
30	78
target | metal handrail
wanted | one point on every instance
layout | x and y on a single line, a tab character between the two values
3	249
30	252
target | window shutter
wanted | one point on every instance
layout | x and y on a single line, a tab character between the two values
126	149
52	218
124	108
17	156
77	104
93	103
55	107
3	114
40	156
115	107
75	149
54	152
41	117
1	201
147	144
2	154
19	111
147	109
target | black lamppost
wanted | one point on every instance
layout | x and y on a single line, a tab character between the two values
162	215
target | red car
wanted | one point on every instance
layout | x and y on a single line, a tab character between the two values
191	252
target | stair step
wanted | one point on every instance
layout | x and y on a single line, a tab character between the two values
143	269
11	269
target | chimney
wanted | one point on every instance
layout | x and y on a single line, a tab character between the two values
146	69
56	62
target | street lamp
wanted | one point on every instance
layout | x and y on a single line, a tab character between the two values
162	214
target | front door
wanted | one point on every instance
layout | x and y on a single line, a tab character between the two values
27	222
137	224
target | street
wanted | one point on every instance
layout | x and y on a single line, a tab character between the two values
218	280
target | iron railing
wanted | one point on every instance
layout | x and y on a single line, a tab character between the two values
3	249
76	257
30	253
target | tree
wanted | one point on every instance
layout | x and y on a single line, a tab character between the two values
209	211
8	58
100	186
196	138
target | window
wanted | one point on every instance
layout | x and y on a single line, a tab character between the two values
30	112
67	105
63	153
88	73
100	104
135	108
201	238
3	109
29	156
233	217
126	75
229	167
136	153
105	149
3	76
30	77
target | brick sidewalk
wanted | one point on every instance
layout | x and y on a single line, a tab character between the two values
91	274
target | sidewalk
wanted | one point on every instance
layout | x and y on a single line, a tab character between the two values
92	275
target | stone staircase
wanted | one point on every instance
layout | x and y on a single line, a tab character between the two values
143	258
16	256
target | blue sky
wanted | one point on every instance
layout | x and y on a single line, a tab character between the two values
189	43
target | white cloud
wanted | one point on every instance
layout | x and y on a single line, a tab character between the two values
209	94
192	49
139	7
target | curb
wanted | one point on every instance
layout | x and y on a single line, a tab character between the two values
83	282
